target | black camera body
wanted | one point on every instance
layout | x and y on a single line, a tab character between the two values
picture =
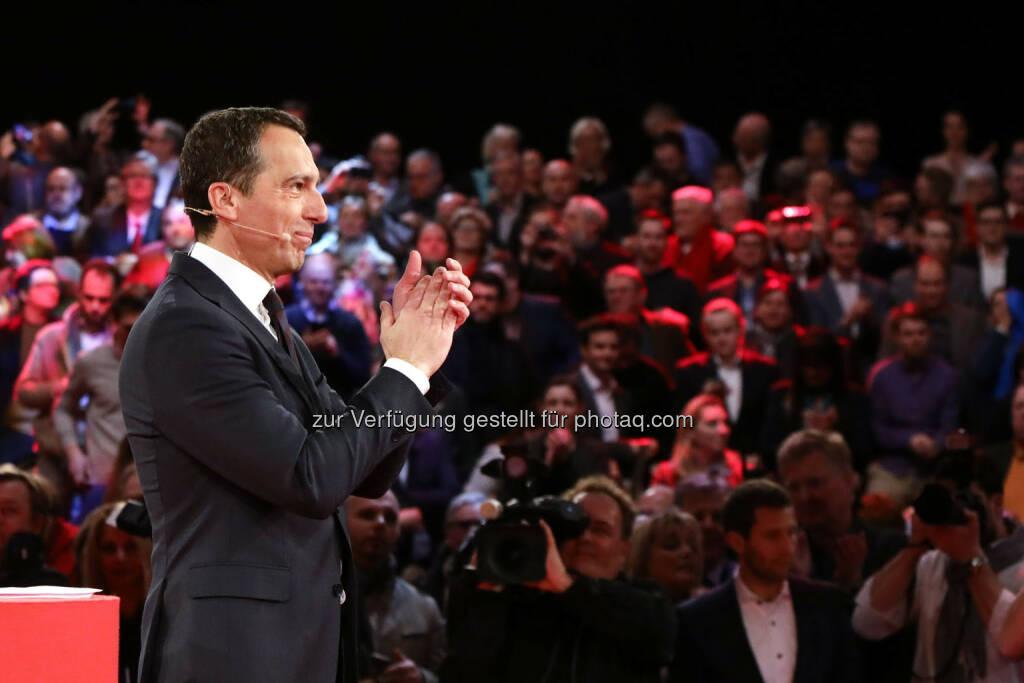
939	506
512	548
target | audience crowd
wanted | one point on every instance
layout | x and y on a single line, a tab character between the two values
759	370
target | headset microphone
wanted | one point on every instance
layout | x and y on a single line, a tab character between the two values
206	212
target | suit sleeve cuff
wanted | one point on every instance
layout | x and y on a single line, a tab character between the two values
415	375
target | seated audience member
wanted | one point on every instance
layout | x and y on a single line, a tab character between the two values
470	229
589	143
83	326
997	260
62	216
664	334
509	207
559	182
461	519
703	496
434	243
155	258
915	401
117	563
666	549
627	204
860	170
600	394
424	183
887	248
36	547
696	249
566	454
747	375
816	468
731	208
39	293
948	580
95	376
846	301
955	329
1008	457
582	616
665	288
763	625
750	256
533	170
405	625
938	242
702	446
819	396
352	241
492	370
127	227
668	154
701	151
774	334
752	139
334	336
800	258
655	499
538	322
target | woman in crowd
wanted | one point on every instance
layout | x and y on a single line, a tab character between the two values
117	563
470	231
701	448
667	549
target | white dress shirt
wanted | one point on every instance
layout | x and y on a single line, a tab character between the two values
993	272
771	631
604	400
136	223
250	287
69	223
929	592
731	375
165	175
752	171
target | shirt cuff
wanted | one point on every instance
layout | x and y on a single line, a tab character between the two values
417	376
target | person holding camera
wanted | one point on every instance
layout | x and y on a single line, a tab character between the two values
946	581
580	622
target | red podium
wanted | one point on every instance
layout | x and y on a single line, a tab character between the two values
44	640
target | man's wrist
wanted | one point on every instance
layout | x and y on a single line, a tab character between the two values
415	375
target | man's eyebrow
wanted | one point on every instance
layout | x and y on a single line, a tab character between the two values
308	177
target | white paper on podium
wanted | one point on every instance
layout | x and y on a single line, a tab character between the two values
60	592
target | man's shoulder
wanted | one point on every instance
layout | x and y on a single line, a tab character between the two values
409	597
711	602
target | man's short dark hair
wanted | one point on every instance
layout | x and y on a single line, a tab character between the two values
599	323
671	138
103	267
224	146
991	204
491	280
174	132
741	506
131	299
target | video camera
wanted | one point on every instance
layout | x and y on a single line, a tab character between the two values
512	547
943	502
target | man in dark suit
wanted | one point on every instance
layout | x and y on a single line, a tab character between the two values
127	227
751	256
999	258
763	626
510	207
61	217
937	241
243	450
747	376
846	301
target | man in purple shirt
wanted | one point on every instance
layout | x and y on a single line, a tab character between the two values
915	401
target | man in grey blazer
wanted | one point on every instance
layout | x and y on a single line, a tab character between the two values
227	415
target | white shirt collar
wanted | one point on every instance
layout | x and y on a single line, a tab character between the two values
592	380
746	595
249	286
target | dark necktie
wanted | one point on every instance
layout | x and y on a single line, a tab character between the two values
279	321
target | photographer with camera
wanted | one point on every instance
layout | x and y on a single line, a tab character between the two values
952	566
580	621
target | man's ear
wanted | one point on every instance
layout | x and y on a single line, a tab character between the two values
736	542
223	200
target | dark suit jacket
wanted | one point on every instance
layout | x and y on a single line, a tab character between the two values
1014	261
964	286
712	645
825	309
758	372
243	490
108	233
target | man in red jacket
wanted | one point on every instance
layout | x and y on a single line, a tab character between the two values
696	249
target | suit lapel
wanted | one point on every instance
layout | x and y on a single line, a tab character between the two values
204	281
745	664
830	296
807	632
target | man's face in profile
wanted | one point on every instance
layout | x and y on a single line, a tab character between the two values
601	551
284	201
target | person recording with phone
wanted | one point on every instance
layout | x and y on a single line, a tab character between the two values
581	621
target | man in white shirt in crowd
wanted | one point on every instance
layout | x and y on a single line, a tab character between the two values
762	625
163	140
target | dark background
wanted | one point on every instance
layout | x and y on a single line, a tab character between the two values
441	75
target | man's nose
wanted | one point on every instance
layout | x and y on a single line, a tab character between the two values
317	210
